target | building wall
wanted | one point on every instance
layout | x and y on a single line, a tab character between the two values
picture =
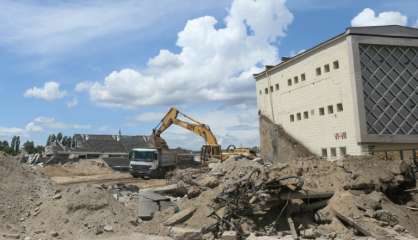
387	90
331	130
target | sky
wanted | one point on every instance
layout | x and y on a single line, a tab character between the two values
98	66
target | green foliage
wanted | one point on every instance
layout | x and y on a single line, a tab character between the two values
29	147
13	148
59	138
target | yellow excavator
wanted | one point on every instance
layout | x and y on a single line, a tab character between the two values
211	149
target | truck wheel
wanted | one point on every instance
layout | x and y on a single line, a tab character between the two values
135	175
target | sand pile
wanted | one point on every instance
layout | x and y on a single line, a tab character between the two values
31	205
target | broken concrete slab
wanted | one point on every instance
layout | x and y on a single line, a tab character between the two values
180	217
153	196
179	233
146	208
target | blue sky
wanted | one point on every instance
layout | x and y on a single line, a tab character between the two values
100	66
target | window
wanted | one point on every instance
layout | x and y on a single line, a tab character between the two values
261	92
266	91
305	115
333	152
289	82
324	152
298	116
336	64
318	71
321	111
277	86
312	112
326	68
343	151
292	118
330	109
296	79
340	107
271	88
303	77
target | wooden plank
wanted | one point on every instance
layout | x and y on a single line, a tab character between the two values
292	227
305	195
352	223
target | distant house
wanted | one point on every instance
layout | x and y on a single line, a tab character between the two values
85	146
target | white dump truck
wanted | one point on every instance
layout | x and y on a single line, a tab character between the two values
150	162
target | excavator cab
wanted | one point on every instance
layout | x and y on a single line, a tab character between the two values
210	151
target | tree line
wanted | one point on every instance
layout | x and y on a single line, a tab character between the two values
14	147
59	138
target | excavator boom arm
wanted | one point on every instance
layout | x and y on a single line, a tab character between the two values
171	117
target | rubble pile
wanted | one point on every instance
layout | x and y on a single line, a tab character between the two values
32	206
239	198
306	198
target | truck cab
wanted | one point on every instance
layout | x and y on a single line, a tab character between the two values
147	162
143	161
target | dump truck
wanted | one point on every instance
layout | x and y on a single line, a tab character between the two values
151	162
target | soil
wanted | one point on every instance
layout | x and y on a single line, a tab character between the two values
32	205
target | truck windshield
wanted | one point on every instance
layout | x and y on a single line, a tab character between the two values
146	156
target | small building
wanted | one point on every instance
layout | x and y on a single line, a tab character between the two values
85	146
355	93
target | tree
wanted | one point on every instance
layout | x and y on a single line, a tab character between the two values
13	145
59	137
53	138
29	147
39	149
17	145
4	145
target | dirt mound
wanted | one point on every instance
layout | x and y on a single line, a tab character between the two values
81	211
31	205
80	168
21	190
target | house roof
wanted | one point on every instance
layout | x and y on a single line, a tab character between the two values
109	143
393	31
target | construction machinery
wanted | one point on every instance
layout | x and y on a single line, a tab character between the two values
211	149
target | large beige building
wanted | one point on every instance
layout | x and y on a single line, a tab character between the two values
353	94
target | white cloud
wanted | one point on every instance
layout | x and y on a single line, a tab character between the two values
49	92
214	64
37	125
72	103
12	131
50	27
41	123
149	117
416	24
233	125
368	17
83	86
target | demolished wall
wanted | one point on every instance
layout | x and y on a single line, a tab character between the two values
278	146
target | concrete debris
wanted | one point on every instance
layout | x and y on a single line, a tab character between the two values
239	198
179	233
146	208
11	235
108	228
180	217
57	196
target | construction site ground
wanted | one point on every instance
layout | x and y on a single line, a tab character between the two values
303	197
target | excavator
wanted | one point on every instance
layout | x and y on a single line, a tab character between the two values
211	149
158	159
